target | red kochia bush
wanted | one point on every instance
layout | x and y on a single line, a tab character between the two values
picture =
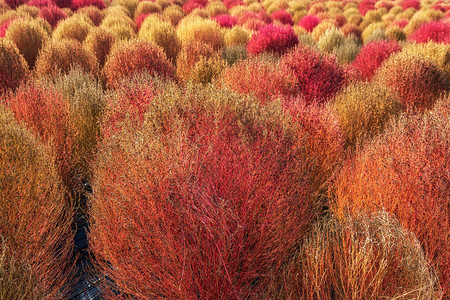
365	5
206	200
46	115
319	75
52	14
405	172
190	5
274	39
230	3
133	57
309	22
40	3
283	16
438	32
4	27
15	3
411	3
265	80
372	56
226	21
77	4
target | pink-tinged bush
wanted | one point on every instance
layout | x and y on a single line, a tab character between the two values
77	4
46	115
405	173
400	23
190	5
283	17
438	32
319	75
4	27
13	67
226	21
309	22
231	3
417	81
15	3
140	19
372	56
273	39
207	199
411	4
41	3
265	80
133	57
52	14
366	5
36	238
360	257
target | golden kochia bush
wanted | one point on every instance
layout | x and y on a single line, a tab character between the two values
13	67
189	55
198	29
132	57
29	37
163	34
58	57
360	257
207	198
99	42
363	110
416	80
36	238
76	27
405	172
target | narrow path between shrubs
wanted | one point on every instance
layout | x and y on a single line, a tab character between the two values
86	288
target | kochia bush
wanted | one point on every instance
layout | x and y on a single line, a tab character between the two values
13	67
319	76
273	39
405	172
433	31
36	238
133	57
216	200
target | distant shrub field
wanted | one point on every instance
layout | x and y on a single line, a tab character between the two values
235	149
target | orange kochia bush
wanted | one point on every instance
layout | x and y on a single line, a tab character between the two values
36	238
405	172
207	198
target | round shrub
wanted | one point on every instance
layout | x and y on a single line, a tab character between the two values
133	57
363	110
319	76
422	17
433	31
202	30
221	200
94	13
52	14
147	7
264	80
405	173
273	39
216	8
13	67
362	257
76	27
395	33
29	37
331	39
60	56
323	27
418	82
191	5
99	42
207	69
189	55
411	3
348	50
236	36
162	34
46	115
283	17
36	235
226	21
372	56
129	5
173	14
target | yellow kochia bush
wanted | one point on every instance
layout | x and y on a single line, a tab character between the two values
197	29
163	34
